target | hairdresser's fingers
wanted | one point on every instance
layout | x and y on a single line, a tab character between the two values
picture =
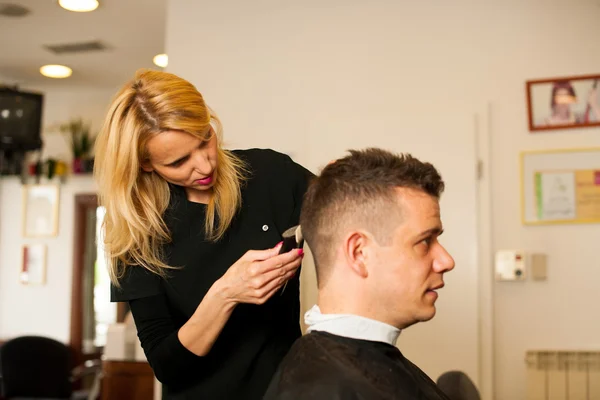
258	282
261	255
279	261
270	289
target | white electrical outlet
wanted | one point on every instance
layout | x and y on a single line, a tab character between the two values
510	265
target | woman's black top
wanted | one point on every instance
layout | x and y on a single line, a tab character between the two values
256	337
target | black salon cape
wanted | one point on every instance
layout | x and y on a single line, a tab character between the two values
255	339
329	367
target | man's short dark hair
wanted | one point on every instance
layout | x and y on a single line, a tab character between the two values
359	192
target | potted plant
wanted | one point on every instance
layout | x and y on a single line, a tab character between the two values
81	142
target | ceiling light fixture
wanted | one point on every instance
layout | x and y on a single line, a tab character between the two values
79	5
162	60
56	71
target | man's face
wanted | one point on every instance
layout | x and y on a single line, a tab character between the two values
405	273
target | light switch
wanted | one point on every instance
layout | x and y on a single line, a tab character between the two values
539	270
510	265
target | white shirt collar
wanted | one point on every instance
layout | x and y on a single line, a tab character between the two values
351	326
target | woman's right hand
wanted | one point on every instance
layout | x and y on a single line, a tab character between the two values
259	274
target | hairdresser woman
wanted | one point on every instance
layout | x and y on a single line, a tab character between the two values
192	233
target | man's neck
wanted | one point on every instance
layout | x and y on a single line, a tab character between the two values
347	295
339	302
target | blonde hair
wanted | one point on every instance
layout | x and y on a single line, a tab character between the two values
135	200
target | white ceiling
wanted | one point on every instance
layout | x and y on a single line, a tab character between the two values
134	31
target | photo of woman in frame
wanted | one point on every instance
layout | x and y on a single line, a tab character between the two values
562	103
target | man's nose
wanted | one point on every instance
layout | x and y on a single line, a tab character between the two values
443	261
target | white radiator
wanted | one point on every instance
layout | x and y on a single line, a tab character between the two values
563	375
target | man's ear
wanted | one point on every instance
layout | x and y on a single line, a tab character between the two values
355	246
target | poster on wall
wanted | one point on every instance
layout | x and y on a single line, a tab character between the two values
563	103
573	195
40	210
560	186
33	268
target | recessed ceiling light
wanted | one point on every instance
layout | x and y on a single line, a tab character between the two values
79	5
162	60
56	71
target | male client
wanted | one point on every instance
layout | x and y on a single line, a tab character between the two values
372	221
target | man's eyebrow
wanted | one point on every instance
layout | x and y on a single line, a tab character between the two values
437	231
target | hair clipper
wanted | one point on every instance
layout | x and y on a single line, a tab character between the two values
292	239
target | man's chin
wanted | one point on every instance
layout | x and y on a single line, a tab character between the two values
428	313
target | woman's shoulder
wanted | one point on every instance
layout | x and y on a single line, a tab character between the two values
268	163
261	157
274	170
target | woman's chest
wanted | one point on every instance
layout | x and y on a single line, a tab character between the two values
199	262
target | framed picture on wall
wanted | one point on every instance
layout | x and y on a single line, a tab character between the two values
563	103
33	267
560	186
40	210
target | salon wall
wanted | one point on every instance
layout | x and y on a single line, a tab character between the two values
308	77
317	78
45	309
559	313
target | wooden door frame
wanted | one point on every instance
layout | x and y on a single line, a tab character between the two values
83	203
